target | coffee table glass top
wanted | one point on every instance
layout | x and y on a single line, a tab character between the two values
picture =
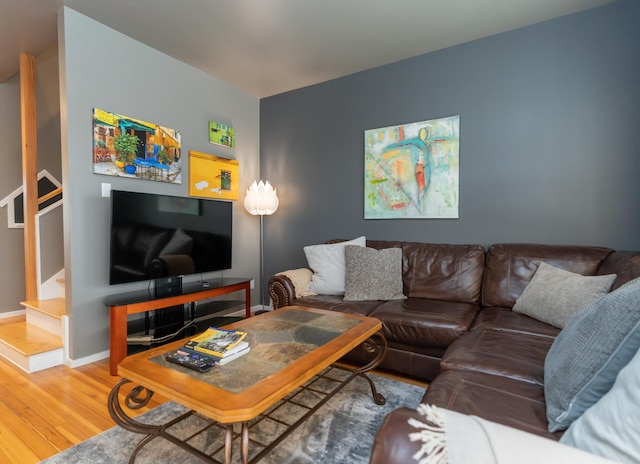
275	342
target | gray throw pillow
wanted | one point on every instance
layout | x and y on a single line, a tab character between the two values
555	296
328	265
373	274
610	428
588	353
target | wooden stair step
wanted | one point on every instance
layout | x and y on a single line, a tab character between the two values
12	320
28	339
55	307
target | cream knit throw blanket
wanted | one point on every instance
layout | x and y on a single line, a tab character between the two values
300	278
448	437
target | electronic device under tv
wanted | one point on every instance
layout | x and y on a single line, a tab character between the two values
162	237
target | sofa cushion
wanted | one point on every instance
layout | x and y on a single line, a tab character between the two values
587	355
421	322
373	274
509	267
505	320
418	362
554	295
329	267
514	355
500	399
443	272
611	428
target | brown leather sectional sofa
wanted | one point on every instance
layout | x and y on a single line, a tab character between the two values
456	329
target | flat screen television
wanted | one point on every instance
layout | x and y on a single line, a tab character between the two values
157	236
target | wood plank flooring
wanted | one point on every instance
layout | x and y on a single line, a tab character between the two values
49	411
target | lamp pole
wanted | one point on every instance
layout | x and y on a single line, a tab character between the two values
262	260
261	200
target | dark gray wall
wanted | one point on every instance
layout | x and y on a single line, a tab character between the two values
550	117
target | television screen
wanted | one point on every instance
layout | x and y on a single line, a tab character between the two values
156	236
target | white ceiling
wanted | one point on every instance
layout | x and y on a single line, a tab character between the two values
266	47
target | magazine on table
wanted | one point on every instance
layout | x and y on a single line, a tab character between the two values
202	362
218	342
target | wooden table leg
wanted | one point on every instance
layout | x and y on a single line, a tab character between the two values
118	337
247	300
245	443
228	444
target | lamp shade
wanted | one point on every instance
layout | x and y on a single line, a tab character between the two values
261	199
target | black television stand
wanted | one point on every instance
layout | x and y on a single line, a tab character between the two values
122	304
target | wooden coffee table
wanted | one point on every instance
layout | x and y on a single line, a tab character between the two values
289	346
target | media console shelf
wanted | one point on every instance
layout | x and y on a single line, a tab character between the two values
123	304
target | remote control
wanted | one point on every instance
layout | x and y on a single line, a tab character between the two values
189	360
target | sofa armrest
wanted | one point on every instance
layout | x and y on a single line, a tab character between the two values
465	439
391	444
286	286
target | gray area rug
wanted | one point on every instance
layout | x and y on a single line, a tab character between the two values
341	431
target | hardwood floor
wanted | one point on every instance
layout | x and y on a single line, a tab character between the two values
49	411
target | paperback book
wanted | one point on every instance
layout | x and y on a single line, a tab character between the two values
218	342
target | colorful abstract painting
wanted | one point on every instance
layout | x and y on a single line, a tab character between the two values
412	170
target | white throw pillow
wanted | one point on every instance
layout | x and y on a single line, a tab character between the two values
328	264
611	427
555	296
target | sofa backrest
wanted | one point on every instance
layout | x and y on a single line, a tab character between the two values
625	264
443	272
509	267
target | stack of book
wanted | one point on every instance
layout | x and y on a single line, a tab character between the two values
214	347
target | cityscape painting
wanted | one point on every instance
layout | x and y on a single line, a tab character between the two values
129	147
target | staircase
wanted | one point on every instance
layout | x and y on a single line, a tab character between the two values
34	341
29	346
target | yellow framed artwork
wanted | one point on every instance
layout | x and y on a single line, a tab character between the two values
213	177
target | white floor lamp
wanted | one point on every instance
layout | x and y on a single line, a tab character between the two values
261	200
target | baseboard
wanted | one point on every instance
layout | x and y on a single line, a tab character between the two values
241	312
73	363
19	312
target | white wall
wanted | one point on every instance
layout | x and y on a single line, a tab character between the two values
101	68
